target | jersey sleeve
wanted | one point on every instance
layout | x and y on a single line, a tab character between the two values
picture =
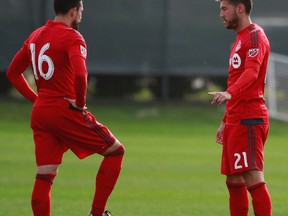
254	57
80	83
77	55
15	75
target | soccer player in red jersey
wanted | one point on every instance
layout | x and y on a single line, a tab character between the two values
244	128
60	120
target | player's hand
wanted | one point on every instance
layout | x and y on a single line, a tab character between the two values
219	97
219	133
73	103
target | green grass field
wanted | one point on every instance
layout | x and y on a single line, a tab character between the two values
171	165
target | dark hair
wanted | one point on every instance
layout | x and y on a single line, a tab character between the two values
247	3
63	6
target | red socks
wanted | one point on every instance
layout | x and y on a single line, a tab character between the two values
238	201
106	179
41	197
261	199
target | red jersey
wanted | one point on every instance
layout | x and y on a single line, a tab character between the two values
57	54
247	75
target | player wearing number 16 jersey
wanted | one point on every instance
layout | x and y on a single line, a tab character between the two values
244	128
60	120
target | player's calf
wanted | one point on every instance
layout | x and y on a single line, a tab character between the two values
41	198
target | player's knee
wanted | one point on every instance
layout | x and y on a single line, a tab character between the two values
117	152
47	169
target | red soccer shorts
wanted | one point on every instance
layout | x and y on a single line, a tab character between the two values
243	146
59	128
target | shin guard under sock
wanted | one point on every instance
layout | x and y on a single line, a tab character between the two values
106	179
41	197
261	199
238	201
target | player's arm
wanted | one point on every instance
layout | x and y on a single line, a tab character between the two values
79	67
251	72
15	75
76	49
248	77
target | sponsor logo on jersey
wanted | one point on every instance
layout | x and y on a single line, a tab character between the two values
83	51
235	61
253	52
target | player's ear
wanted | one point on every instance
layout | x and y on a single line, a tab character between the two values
241	8
73	12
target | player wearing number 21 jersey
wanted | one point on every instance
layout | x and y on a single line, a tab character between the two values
244	127
60	121
247	75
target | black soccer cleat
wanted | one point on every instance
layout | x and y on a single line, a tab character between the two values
107	213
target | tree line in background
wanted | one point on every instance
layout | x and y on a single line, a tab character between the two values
139	88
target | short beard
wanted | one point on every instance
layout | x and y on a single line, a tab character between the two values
233	24
75	24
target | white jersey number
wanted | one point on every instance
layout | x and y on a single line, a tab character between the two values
239	158
42	58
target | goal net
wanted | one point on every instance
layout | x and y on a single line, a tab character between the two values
277	86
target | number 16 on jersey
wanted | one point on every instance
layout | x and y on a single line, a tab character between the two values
42	58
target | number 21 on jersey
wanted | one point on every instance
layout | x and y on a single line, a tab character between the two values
41	59
239	158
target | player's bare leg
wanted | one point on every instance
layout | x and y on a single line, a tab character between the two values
48	169
253	177
41	198
107	177
113	148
